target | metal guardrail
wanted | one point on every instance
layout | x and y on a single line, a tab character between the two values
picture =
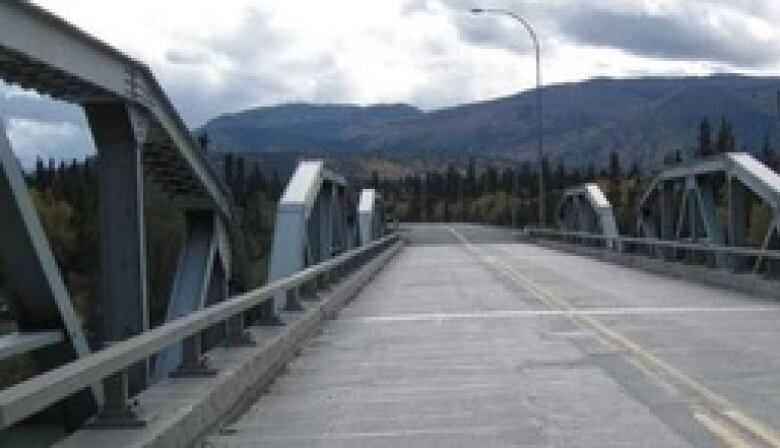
652	245
110	365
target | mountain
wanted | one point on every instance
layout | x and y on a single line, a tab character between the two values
300	127
642	119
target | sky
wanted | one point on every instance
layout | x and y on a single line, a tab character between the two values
220	57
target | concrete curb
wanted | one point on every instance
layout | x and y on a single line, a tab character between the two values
722	278
178	412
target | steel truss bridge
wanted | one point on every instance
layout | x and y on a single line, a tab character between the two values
424	335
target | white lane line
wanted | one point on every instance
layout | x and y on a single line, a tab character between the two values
583	312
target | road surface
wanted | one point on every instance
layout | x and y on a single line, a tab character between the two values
469	338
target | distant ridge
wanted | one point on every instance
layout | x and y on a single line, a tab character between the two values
642	119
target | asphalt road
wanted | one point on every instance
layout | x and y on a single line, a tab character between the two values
469	338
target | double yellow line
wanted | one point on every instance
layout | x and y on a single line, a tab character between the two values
722	418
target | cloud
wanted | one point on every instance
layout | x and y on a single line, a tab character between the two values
40	126
61	141
220	57
491	31
187	57
686	33
24	104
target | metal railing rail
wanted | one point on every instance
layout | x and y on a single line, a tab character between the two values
652	243
25	399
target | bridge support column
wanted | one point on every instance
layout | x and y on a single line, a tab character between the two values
292	302
737	218
323	281
327	214
709	218
119	132
666	205
309	291
236	334
117	411
267	314
193	364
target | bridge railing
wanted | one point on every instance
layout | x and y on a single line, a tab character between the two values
110	366
702	253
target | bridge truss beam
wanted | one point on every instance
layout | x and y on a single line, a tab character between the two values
47	323
312	224
731	199
138	135
371	216
584	208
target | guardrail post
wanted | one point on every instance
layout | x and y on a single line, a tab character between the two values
235	332
308	291
266	314
292	302
323	281
117	411
193	364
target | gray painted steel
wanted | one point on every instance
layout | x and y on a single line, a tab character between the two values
29	397
138	133
626	241
192	281
37	293
371	217
18	343
180	411
84	70
309	222
120	133
584	208
680	203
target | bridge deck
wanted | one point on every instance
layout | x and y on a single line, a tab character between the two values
468	339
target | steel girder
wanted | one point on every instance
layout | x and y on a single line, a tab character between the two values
682	201
584	208
370	215
49	327
137	132
83	70
310	222
203	266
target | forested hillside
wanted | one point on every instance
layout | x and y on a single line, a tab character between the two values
641	119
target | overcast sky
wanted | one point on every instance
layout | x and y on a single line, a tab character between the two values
222	56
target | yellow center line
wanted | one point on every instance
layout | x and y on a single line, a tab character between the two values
708	407
721	430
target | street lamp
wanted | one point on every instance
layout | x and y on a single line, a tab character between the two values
539	119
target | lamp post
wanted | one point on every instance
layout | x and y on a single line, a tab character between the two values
539	103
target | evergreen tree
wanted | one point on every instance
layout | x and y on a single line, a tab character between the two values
256	180
635	170
203	141
228	169
40	173
614	166
705	139
590	175
725	142
471	177
239	181
276	187
767	152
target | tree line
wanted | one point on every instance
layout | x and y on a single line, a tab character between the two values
487	193
508	195
65	195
